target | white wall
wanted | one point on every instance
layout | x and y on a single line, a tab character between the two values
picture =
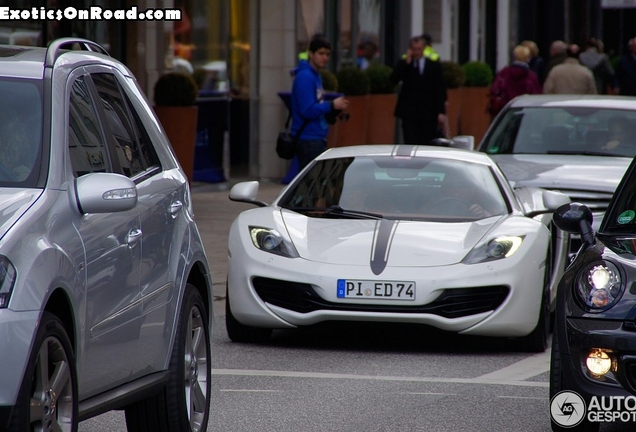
277	56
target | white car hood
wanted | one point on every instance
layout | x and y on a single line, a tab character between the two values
384	242
572	172
13	203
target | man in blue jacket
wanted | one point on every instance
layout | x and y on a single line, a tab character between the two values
308	103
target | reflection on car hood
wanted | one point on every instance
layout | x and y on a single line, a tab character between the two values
13	203
384	242
572	172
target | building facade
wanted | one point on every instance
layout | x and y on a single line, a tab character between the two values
249	47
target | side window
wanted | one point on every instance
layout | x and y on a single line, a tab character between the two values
85	142
128	156
145	145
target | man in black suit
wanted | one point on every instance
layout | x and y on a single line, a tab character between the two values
422	99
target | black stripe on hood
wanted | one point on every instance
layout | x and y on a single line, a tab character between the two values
381	246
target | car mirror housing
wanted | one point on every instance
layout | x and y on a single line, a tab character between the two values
575	218
246	192
105	193
553	199
466	142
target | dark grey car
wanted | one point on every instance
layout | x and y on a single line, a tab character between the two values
578	144
105	289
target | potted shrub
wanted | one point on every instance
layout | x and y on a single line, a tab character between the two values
175	95
381	108
473	117
454	78
355	85
329	80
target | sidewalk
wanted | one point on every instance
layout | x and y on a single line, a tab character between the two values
214	213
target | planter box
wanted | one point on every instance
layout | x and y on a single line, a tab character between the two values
353	131
381	119
453	109
474	118
180	125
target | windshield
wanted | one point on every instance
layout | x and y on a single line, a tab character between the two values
553	130
621	215
397	188
20	132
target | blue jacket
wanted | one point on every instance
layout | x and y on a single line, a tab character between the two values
308	102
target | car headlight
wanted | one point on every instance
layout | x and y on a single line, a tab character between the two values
599	286
7	280
497	248
270	240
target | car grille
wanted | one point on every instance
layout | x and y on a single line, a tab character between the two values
597	202
451	303
594	200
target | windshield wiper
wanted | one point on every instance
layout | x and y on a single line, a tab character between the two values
336	210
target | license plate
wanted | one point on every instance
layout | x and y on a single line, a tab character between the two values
372	289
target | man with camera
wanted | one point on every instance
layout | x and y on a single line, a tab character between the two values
422	98
310	112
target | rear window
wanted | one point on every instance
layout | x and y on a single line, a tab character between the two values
20	132
592	131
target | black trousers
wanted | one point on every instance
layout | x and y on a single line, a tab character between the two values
417	131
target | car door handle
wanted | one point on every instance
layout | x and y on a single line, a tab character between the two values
175	207
133	237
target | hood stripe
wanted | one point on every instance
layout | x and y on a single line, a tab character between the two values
381	246
404	150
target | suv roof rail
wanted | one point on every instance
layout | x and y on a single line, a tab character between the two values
54	48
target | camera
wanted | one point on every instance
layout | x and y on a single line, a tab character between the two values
334	115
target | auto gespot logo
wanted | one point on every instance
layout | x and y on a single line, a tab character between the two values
568	409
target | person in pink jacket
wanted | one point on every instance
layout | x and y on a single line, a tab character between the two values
513	80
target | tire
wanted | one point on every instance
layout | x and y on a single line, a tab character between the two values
184	404
48	396
556	386
238	332
537	341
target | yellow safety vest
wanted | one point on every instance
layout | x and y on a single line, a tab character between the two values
429	53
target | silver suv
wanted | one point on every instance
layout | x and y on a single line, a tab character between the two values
105	288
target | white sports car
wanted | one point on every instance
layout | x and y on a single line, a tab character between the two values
428	235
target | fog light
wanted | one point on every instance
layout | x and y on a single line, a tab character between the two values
598	362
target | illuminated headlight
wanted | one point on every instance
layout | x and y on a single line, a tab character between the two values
599	285
498	248
270	240
598	362
7	280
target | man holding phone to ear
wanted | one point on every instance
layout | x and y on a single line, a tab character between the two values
422	99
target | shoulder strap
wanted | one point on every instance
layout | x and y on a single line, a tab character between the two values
302	127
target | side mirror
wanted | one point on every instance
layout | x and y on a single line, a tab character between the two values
553	199
575	218
246	192
466	142
105	193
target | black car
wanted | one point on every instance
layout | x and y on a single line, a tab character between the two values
593	363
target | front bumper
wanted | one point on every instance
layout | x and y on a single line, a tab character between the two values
271	291
583	335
